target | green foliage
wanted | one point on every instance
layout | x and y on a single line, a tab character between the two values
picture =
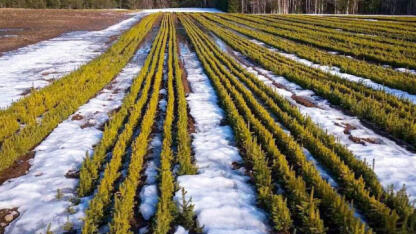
393	52
384	31
281	213
53	3
59	195
68	226
233	6
166	207
124	202
184	157
186	216
48	229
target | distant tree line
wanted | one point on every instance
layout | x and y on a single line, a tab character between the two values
245	6
323	6
102	4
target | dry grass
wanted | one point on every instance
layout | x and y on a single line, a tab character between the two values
20	27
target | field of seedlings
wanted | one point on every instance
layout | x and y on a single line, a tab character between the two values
197	121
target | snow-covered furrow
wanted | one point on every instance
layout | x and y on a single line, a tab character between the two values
149	192
405	70
224	201
393	164
333	70
37	65
36	194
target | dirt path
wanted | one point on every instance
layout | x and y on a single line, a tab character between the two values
21	27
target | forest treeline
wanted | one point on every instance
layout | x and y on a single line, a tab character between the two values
245	6
103	4
323	6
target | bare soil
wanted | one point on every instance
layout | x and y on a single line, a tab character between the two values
348	128
304	101
7	216
21	27
77	117
19	168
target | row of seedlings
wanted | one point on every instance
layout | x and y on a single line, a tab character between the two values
145	107
356	40
165	213
336	28
129	110
361	26
124	203
394	55
168	213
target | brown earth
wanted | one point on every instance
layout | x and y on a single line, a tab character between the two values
19	168
348	128
7	216
304	101
21	27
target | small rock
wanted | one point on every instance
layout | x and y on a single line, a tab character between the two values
236	165
72	174
8	218
77	117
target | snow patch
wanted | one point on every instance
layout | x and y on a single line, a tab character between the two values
37	65
336	71
181	230
405	70
148	194
224	201
36	193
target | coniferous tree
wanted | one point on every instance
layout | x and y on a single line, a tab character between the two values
246	6
53	3
234	6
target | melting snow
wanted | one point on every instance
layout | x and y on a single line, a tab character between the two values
337	72
224	201
393	163
148	194
35	66
64	149
181	230
405	70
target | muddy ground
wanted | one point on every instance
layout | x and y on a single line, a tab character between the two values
21	27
